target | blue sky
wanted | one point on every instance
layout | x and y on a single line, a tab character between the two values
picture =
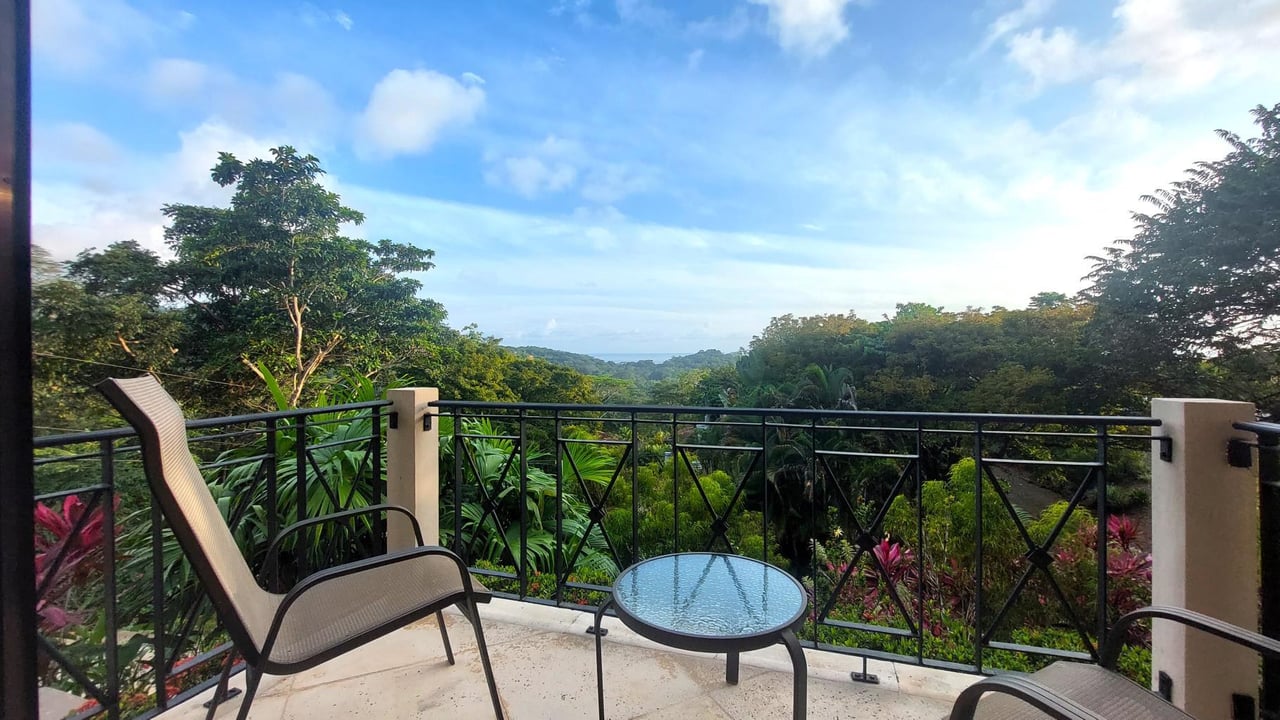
640	176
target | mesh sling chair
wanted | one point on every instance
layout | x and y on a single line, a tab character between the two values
327	613
1078	691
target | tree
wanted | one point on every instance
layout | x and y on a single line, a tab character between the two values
1200	278
270	280
1048	300
102	317
828	387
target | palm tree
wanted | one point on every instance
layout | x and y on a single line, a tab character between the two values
827	387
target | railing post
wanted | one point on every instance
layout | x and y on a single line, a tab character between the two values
1204	542
413	465
1269	518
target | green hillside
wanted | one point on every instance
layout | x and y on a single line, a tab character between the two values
639	371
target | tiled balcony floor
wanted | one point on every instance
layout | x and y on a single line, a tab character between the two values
544	663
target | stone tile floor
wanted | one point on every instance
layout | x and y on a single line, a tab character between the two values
544	663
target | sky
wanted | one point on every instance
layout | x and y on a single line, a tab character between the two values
628	176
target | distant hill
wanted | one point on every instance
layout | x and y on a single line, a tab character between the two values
639	371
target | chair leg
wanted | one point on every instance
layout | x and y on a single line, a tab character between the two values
444	635
220	693
252	677
474	617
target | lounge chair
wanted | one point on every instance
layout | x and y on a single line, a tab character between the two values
326	613
1079	691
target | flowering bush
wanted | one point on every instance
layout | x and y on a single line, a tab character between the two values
883	588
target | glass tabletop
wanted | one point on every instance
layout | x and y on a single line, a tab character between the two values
709	594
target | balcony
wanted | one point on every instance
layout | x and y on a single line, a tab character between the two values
547	503
405	675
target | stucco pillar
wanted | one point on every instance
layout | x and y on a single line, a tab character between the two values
413	466
1204	546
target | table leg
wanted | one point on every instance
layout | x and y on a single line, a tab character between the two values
800	671
731	668
600	655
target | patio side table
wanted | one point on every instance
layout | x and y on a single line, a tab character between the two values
711	602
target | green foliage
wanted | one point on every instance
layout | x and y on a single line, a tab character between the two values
491	471
467	365
927	359
1197	281
638	372
103	315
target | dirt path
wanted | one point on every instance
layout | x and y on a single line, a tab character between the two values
1034	499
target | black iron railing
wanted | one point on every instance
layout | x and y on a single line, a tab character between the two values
123	621
1240	454
889	518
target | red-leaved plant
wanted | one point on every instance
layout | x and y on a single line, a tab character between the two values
80	551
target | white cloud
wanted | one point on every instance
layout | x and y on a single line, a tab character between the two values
641	12
1158	50
313	16
75	36
549	167
1026	13
607	183
409	109
695	59
558	164
472	79
74	143
181	80
294	105
96	205
530	176
809	28
1050	59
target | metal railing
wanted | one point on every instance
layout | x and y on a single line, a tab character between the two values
1240	454
124	622
549	501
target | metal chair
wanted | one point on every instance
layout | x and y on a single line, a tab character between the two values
326	613
1079	691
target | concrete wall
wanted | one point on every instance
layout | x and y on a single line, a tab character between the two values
1204	542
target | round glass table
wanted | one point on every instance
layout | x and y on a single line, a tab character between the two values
710	602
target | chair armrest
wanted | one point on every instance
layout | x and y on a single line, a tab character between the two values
1024	688
319	578
1225	630
272	558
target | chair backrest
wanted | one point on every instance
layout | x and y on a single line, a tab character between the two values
184	497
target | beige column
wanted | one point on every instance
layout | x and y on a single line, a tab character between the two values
1204	543
413	466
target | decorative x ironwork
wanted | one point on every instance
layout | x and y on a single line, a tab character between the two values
719	522
595	514
488	503
1037	555
865	538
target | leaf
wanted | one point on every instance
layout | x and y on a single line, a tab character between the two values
281	400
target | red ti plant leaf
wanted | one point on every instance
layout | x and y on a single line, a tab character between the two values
66	551
1122	530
